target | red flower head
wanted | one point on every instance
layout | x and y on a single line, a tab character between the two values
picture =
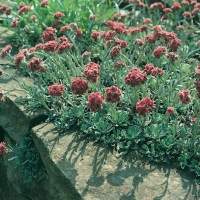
63	46
113	94
176	6
150	39
172	56
115	51
145	105
148	68
158	5
79	86
24	9
185	2
58	15
170	110
3	149
119	64
143	28
22	4
86	54
158	32
118	27
168	36
65	28
19	57
8	10
92	71
195	11
93	17
121	43
5	50
159	51
147	20
139	42
187	14
184	96
32	18
174	44
180	27
38	46
167	10
133	30
50	46
56	90
79	32
44	3
154	71
135	77
36	65
95	101
14	22
95	35
109	35
49	34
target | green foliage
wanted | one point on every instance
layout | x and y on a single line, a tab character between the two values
27	160
159	134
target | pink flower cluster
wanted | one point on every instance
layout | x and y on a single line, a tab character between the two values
135	77
92	71
5	50
113	94
184	96
170	110
151	70
19	57
50	46
86	54
58	15
36	65
95	101
5	9
49	34
56	90
44	3
63	46
79	86
119	64
115	51
3	149
24	9
159	51
157	5
172	56
145	105
14	22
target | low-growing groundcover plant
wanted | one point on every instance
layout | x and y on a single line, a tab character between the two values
134	85
28	19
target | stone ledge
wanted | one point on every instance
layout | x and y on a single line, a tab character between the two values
97	174
81	170
14	118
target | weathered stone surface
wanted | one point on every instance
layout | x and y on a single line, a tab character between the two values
14	118
97	173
